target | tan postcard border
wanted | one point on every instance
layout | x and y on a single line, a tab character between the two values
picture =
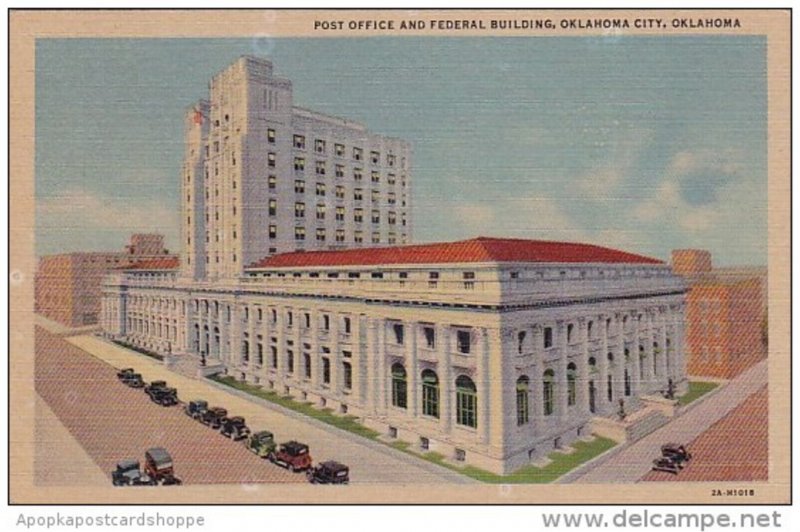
27	26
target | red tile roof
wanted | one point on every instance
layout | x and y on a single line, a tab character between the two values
167	263
481	249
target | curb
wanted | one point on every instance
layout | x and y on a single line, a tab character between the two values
451	476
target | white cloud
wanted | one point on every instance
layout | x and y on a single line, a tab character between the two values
623	152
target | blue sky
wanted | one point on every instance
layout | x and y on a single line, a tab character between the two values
641	143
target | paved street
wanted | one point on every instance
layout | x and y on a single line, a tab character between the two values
635	461
733	449
370	462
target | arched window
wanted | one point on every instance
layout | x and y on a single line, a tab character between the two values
347	375
641	362
523	389
572	392
627	383
399	386
466	402
307	364
548	383
430	393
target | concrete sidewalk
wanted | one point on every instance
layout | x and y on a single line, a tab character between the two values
633	462
370	462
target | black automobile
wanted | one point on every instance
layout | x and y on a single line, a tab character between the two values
234	427
164	396
155	385
128	473
667	465
329	472
124	372
158	465
195	409
677	453
134	380
213	417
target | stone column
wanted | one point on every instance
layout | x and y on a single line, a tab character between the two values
648	349
358	360
485	378
201	322
280	335
413	367
373	372
336	356
663	365
601	399
252	348
582	380
446	385
619	357
536	405
562	394
636	380
383	374
234	335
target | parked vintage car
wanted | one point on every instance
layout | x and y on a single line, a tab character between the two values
666	464
292	455
164	396
155	385
134	380
159	467
195	408
213	417
329	472
262	443
234	427
124	372
128	473
677	453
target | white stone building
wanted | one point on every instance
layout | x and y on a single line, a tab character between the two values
262	176
490	351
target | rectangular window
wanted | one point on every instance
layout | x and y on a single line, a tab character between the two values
273	231
392	217
319	146
338	149
321	211
347	375
548	337
376	217
339	192
274	357
346	322
300	186
339	214
320	189
273	207
463	340
299	233
376	176
326	370
392	238
339	170
430	337
357	174
299	210
271	160
390	158
375	157
376	196
391	179
299	142
271	182
399	332
340	235
289	361
320	234
358	194
358	153
358	237
271	136
376	238
319	168
358	215
299	163
391	198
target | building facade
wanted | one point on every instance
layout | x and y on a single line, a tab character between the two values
68	286
725	315
492	352
262	176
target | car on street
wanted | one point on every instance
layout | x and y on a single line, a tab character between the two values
155	385
128	473
292	455
329	472
677	453
164	396
262	443
159	467
134	380
213	417
666	464
234	427
195	408
124	372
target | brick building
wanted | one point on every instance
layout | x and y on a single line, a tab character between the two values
725	310
68	286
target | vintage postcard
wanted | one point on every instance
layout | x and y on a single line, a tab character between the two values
522	257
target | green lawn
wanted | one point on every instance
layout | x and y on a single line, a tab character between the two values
141	350
696	390
561	463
